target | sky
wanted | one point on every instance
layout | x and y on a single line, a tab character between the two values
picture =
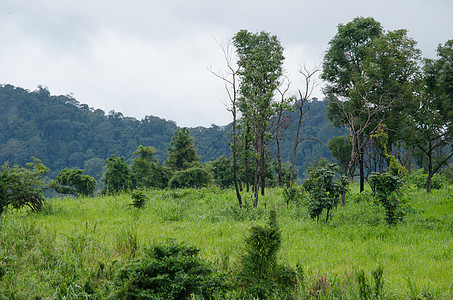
148	57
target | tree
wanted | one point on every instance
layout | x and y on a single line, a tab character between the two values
23	186
73	181
391	74
302	110
231	86
182	155
281	122
146	171
342	69
260	60
117	176
431	118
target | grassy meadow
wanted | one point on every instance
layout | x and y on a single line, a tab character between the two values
74	246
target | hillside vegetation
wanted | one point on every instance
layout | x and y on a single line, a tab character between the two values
76	247
64	133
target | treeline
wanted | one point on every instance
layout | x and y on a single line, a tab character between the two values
64	133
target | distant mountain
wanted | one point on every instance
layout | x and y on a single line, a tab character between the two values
64	133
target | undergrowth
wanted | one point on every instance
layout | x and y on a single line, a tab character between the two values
75	247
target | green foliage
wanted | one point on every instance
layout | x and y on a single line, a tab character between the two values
196	177
168	271
222	168
71	181
395	167
146	171
182	155
293	193
325	192
420	179
21	186
117	176
386	188
341	148
367	292
138	198
260	274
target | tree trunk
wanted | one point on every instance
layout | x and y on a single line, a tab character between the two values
430	169
296	143
246	157
262	164
279	160
236	185
361	170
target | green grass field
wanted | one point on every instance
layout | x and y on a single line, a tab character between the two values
73	247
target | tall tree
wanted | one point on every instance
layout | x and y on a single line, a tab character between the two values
431	118
342	69
391	74
260	61
231	87
182	155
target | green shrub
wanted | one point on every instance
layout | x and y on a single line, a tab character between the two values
74	182
420	180
325	193
366	291
21	186
386	191
260	274
168	271
293	193
138	198
196	177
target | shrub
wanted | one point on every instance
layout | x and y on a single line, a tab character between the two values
386	191
196	177
292	193
117	176
420	180
138	198
325	193
21	186
260	274
168	271
73	181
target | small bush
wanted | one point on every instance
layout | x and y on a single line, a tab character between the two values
420	180
260	274
138	198
325	192
196	177
386	189
168	271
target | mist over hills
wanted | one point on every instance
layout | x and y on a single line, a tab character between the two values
62	133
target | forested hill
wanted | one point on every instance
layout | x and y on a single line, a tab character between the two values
64	133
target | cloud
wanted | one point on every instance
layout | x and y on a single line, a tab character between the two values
151	58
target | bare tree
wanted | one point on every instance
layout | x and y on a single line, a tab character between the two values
230	78
282	122
302	109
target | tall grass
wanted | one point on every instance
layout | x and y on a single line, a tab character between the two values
73	247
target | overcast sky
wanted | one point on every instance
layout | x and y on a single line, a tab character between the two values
147	57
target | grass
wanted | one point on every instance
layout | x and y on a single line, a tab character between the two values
73	247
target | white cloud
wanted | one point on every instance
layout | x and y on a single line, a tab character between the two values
151	58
